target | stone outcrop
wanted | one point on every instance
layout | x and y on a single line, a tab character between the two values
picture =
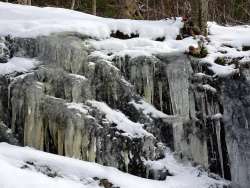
206	118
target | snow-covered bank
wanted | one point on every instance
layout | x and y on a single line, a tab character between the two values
29	21
27	167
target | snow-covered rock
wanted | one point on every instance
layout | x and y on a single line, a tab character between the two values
69	87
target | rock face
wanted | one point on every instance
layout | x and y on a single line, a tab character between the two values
202	118
236	119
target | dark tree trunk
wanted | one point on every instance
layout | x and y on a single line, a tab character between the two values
200	14
94	7
73	2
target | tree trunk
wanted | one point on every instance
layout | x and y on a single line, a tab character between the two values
24	2
130	10
20	1
200	14
73	2
94	7
147	7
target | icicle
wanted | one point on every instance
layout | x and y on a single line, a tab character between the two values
218	130
247	126
160	95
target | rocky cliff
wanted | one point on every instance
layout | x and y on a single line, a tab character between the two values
122	111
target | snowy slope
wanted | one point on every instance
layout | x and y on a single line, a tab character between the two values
27	167
29	21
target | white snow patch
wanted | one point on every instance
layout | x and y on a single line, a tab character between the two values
142	46
29	21
79	77
217	116
219	70
123	123
235	36
76	174
18	64
148	109
77	106
183	174
207	87
226	42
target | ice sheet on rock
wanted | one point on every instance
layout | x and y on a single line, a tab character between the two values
123	123
148	109
18	64
74	173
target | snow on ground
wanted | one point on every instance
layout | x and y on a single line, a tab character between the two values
130	128
30	21
182	173
26	168
18	64
235	36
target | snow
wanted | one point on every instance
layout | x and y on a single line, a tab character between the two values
78	77
235	36
73	173
29	21
141	46
148	109
183	174
130	128
77	106
18	64
207	87
226	42
222	70
217	116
